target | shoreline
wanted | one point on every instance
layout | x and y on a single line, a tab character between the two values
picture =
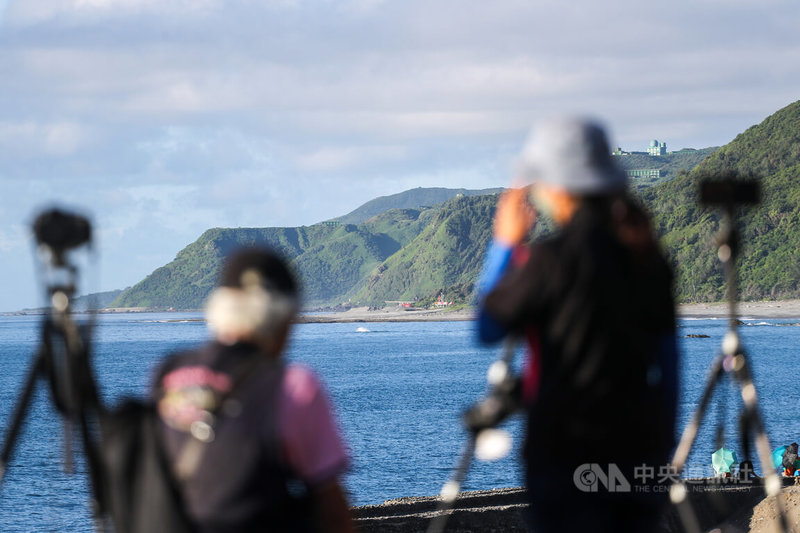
777	309
765	309
363	314
783	309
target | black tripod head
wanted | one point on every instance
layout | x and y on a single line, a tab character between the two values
729	190
58	232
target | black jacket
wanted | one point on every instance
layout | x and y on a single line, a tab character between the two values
598	295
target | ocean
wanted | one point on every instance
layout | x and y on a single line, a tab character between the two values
398	391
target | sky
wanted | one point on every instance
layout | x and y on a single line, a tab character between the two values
160	119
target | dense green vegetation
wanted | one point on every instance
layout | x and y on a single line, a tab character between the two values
329	260
337	263
770	262
396	248
444	258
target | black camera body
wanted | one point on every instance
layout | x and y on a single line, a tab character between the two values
61	231
730	190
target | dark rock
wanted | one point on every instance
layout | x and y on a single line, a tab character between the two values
486	510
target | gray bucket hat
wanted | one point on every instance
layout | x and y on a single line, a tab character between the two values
572	153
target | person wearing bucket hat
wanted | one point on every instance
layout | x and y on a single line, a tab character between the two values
594	302
574	154
252	440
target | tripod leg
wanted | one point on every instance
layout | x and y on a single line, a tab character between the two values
690	433
498	374
19	414
679	496
81	401
772	482
678	492
451	489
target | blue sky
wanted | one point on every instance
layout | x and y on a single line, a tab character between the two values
164	119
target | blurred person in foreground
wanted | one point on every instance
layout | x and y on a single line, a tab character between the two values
276	455
594	303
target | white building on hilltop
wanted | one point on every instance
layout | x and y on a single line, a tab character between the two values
657	148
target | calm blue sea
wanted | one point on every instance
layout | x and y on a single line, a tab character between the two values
398	388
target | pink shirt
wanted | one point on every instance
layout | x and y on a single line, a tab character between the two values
311	439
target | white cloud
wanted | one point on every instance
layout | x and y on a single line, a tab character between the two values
31	139
63	138
362	7
339	158
40	11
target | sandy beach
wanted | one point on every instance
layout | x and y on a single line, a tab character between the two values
770	309
390	314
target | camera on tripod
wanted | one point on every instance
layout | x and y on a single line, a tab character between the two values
62	359
729	190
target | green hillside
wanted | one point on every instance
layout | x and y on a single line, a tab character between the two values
770	263
186	281
98	300
445	257
330	259
393	255
414	198
334	260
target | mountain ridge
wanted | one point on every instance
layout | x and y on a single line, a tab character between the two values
331	258
410	199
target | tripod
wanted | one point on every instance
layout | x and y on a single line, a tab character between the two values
63	355
729	192
480	419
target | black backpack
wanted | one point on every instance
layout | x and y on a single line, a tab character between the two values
141	489
141	492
